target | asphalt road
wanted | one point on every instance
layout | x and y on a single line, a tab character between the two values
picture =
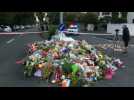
111	37
12	49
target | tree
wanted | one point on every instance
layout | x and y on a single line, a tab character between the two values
105	19
53	17
11	18
124	17
24	18
124	14
6	18
41	16
116	19
88	18
72	17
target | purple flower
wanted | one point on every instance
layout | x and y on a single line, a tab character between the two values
38	73
64	50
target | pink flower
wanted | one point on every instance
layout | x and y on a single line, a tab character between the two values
113	72
44	53
109	73
108	76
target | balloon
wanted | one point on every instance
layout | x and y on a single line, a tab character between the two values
75	68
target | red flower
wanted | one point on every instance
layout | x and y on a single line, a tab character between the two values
44	53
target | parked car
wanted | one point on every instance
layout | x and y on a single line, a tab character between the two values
17	27
22	27
1	30
28	26
7	29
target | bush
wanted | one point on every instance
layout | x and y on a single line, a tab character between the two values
116	19
52	29
89	18
105	19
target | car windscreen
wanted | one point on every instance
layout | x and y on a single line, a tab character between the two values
73	28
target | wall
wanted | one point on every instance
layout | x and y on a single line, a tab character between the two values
130	17
111	28
90	27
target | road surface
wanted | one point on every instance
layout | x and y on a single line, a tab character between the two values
12	49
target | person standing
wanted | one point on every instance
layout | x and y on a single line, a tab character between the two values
126	38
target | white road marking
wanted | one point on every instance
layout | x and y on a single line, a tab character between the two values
102	39
11	40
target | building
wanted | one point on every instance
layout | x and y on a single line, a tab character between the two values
104	14
130	17
109	14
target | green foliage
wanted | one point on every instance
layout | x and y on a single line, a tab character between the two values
40	16
53	18
116	19
6	18
89	18
28	69
24	18
52	29
11	18
105	19
67	67
124	14
71	16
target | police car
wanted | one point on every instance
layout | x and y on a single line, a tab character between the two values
73	29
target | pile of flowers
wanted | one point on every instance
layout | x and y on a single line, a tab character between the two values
69	62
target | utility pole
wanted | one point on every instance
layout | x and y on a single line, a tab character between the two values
61	17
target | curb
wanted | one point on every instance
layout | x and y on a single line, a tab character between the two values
15	33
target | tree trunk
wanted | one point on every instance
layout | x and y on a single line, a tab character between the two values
12	28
